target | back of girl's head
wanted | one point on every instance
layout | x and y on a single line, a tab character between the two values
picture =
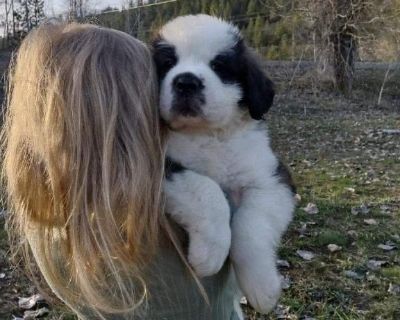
83	162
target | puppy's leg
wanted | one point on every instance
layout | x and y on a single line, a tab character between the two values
257	226
199	205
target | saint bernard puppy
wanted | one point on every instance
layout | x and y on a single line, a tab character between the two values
213	97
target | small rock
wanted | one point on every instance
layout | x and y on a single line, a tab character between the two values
283	263
30	302
334	247
34	314
351	190
311	208
353	275
306	255
371	222
394	289
2	275
376	264
243	301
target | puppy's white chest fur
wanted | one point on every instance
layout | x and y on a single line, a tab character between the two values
237	159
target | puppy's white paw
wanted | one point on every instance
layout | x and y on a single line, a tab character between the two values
263	291
199	205
207	253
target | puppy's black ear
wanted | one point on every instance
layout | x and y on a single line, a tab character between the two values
258	90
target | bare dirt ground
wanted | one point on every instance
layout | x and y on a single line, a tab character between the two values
340	257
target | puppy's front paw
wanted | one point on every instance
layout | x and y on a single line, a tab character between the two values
207	253
263	291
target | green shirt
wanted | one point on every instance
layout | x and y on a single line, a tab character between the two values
174	294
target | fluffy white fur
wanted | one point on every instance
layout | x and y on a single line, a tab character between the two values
230	152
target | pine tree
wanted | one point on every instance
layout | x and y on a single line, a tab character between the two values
249	32
205	6
214	8
251	7
227	11
258	32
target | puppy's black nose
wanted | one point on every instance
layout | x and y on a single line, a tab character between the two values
187	83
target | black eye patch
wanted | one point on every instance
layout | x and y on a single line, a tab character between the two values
165	59
227	66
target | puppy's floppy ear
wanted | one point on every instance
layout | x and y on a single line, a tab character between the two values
258	90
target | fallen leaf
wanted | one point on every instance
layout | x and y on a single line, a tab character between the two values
283	263
391	131
281	311
353	275
388	246
334	247
363	209
385	209
394	289
352	233
34	314
311	208
286	282
306	255
29	302
376	264
372	222
396	237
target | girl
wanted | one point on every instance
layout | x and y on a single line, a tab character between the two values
83	166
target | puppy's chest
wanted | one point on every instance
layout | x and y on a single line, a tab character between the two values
227	161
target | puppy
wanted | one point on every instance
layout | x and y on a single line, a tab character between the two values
213	96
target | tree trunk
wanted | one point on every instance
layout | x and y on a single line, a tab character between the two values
344	52
342	37
335	43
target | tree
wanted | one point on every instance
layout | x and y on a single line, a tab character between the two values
337	28
29	15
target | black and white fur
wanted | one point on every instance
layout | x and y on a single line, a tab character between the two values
213	95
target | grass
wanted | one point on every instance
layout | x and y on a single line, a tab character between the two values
340	160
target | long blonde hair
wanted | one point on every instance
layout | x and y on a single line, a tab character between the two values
83	163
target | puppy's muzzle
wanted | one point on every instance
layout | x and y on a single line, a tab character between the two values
189	97
187	84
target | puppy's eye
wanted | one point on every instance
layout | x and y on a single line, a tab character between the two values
168	63
165	59
218	64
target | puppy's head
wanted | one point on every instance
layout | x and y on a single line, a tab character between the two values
208	76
